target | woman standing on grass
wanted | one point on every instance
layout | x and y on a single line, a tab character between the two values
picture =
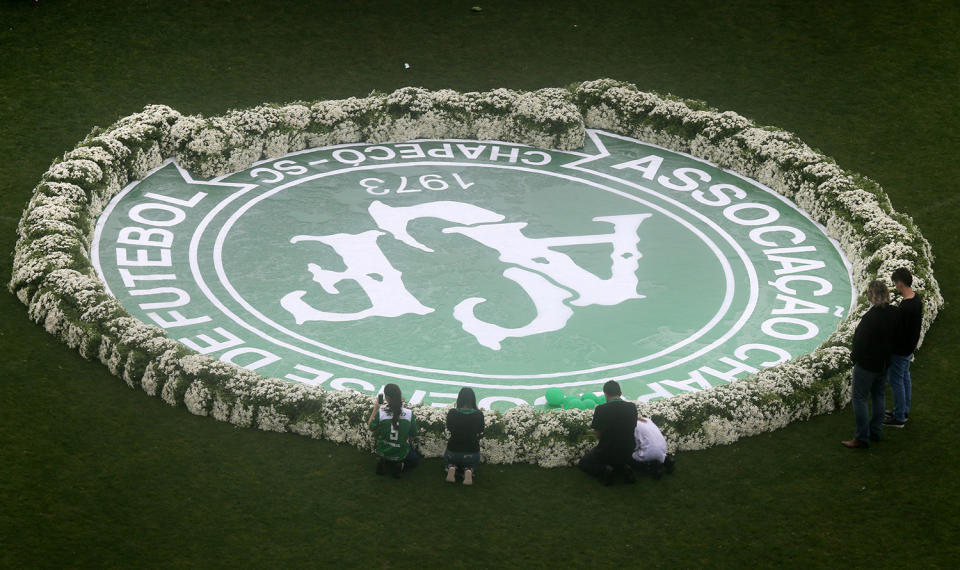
465	424
872	347
395	427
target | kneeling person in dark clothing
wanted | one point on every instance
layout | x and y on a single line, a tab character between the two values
613	423
465	424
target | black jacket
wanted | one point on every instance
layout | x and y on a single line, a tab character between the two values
910	318
615	421
873	339
466	427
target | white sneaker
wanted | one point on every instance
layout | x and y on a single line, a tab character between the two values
452	474
467	477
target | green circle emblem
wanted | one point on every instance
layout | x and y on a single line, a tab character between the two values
512	269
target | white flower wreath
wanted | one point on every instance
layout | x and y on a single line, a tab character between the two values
53	276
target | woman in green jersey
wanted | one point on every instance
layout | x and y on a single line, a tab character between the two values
395	428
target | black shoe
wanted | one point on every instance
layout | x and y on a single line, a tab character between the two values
892	422
608	474
380	467
396	468
629	476
668	464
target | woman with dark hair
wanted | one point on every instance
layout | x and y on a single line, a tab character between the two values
465	424
395	427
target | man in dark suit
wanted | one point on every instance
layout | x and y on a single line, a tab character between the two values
613	423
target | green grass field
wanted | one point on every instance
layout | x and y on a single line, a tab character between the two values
94	474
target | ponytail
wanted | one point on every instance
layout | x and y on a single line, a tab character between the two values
394	403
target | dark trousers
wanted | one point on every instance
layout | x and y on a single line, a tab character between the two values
409	462
462	460
596	460
412	459
868	387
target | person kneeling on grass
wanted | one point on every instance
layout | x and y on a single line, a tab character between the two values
394	427
613	424
650	453
465	424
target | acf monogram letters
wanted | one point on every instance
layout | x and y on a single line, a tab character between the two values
547	276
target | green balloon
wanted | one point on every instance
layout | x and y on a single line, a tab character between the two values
588	404
571	403
555	396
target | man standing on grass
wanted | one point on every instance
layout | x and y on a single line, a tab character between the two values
613	424
909	319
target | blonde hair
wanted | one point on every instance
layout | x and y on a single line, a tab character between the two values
877	293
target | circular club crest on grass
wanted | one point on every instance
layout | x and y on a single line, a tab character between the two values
275	267
544	269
